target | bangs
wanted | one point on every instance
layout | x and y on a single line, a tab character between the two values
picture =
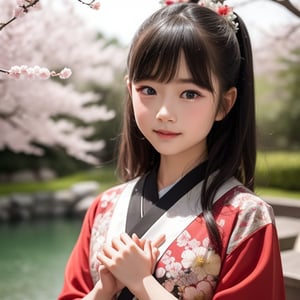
156	53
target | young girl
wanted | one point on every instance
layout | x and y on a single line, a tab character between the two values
194	228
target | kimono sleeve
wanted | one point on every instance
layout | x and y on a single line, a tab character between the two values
253	269
77	279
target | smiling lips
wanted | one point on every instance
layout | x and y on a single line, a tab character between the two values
166	134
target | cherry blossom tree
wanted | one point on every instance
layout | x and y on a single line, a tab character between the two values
274	60
291	6
24	6
41	112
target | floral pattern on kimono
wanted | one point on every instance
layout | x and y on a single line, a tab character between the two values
100	228
190	268
193	273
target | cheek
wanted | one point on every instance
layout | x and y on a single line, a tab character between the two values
141	114
138	109
200	118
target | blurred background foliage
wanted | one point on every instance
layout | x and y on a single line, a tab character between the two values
278	115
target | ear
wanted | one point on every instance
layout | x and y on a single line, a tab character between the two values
129	86
228	101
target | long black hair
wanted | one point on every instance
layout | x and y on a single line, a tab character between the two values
211	46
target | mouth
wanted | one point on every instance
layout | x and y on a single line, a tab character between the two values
166	133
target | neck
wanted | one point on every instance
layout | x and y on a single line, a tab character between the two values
172	169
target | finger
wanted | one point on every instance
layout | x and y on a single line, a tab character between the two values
152	253
125	238
102	269
148	248
117	243
135	238
108	251
104	260
155	254
129	242
140	242
159	241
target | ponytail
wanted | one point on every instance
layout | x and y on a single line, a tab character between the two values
235	153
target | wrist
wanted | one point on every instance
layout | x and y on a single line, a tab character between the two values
150	289
141	289
100	294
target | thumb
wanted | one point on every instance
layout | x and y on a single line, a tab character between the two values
102	270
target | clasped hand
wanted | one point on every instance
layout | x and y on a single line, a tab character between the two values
126	262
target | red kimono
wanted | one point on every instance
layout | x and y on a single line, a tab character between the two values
248	268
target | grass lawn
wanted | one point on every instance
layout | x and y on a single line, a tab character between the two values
106	178
272	192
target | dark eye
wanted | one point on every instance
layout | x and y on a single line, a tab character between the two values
190	95
147	90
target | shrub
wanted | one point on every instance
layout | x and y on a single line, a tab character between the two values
278	170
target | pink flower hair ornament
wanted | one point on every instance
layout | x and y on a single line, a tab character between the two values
218	7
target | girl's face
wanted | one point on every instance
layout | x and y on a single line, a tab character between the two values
175	117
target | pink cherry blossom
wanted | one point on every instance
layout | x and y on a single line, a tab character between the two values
44	73
65	73
160	272
183	239
18	12
36	72
191	293
22	7
169	285
21	2
203	290
15	72
30	74
173	269
29	104
95	5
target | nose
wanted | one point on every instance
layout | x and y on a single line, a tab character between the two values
165	114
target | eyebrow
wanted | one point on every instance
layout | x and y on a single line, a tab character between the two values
190	81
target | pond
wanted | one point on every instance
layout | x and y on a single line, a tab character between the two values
33	256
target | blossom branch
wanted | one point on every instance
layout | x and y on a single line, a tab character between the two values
25	5
289	6
4	71
92	4
23	8
24	72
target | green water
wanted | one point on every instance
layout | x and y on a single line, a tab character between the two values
33	256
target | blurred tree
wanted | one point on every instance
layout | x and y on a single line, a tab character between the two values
110	130
289	88
289	5
273	91
44	113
